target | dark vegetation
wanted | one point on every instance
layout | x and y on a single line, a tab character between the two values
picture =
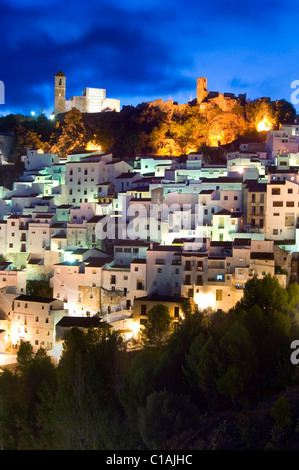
40	288
219	381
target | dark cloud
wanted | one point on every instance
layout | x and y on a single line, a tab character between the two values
145	49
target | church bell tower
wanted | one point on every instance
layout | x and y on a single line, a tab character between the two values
59	106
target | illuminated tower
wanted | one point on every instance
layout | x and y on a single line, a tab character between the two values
201	89
59	93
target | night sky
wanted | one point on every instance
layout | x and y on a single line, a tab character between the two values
144	49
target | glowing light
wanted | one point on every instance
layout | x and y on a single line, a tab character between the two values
32	113
205	300
135	328
52	117
241	170
264	125
56	352
69	257
93	146
15	337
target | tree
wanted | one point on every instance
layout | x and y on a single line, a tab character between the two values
41	288
267	293
26	138
11	411
165	415
203	360
25	355
157	327
284	111
74	136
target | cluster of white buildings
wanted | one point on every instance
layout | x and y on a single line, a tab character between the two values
113	237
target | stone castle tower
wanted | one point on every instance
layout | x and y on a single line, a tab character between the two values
202	92
60	89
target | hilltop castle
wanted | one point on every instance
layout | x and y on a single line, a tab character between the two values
226	101
93	100
205	99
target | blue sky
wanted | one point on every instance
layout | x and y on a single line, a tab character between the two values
141	50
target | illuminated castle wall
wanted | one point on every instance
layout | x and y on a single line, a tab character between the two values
226	101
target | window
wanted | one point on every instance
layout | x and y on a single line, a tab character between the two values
176	312
143	310
277	203
275	191
290	191
159	270
188	266
275	231
290	204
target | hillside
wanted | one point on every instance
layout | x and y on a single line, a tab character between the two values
149	128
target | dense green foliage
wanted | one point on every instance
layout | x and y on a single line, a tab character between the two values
214	379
